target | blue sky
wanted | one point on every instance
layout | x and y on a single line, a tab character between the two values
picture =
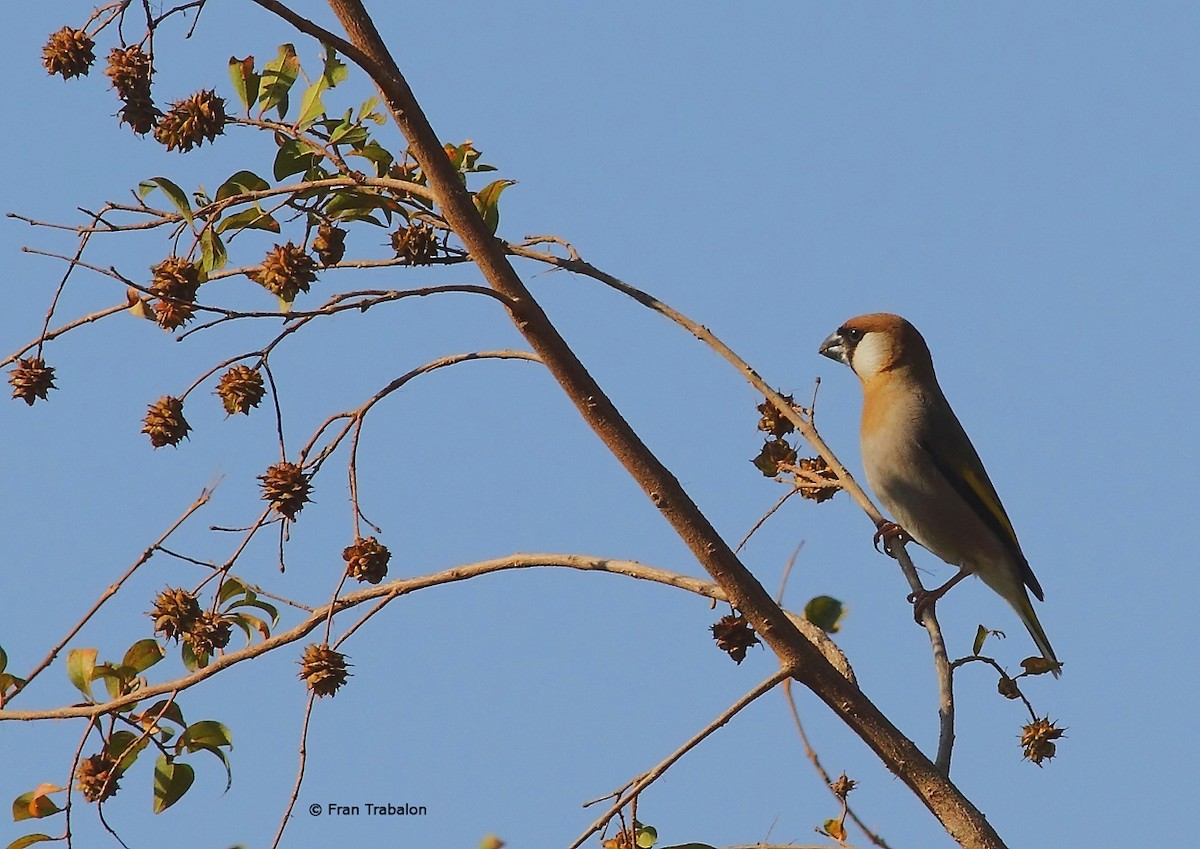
1019	180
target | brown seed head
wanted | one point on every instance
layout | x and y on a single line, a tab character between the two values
287	487
1037	739
69	53
164	422
241	388
96	777
329	244
323	670
209	632
175	613
367	560
734	635
192	121
417	244
286	271
31	379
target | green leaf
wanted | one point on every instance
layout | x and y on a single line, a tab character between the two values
118	680
240	183
213	255
165	710
293	158
253	601
379	156
142	655
3	659
981	635
358	204
252	218
367	112
35	804
278	77
190	661
29	840
171	781
231	587
173	192
125	746
825	612
205	734
81	663
646	836
487	201
249	624
8	681
245	80
354	135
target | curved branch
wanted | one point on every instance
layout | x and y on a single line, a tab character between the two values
388	591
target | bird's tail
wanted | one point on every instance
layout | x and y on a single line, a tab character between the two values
1024	608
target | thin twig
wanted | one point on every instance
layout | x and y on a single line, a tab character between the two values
110	592
287	813
650	777
816	762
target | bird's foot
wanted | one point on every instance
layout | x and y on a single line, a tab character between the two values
923	600
888	531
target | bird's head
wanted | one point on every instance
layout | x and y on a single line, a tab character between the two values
877	343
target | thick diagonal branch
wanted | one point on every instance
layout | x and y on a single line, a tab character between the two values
796	654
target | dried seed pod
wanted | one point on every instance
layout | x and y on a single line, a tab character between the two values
329	244
164	422
96	777
773	422
69	53
1037	739
417	244
734	635
815	480
175	283
192	121
367	560
775	452
209	632
323	670
286	270
241	388
130	70
175	613
287	487
31	379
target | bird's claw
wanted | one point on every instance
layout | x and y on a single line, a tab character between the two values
888	531
922	600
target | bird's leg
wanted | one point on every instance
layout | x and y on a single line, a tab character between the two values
923	600
888	531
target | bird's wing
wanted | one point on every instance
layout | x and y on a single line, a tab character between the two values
952	453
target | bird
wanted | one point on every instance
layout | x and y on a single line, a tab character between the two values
921	465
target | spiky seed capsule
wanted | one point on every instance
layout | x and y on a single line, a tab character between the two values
416	245
287	487
367	560
192	121
330	244
241	388
209	632
772	422
69	53
96	777
129	69
734	635
815	480
775	453
286	270
175	613
164	422
1037	739
842	787
175	283
323	670
31	379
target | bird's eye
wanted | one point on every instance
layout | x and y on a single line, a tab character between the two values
852	334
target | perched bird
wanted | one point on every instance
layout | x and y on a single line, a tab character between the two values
923	468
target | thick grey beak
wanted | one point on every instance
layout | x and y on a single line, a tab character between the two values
835	348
